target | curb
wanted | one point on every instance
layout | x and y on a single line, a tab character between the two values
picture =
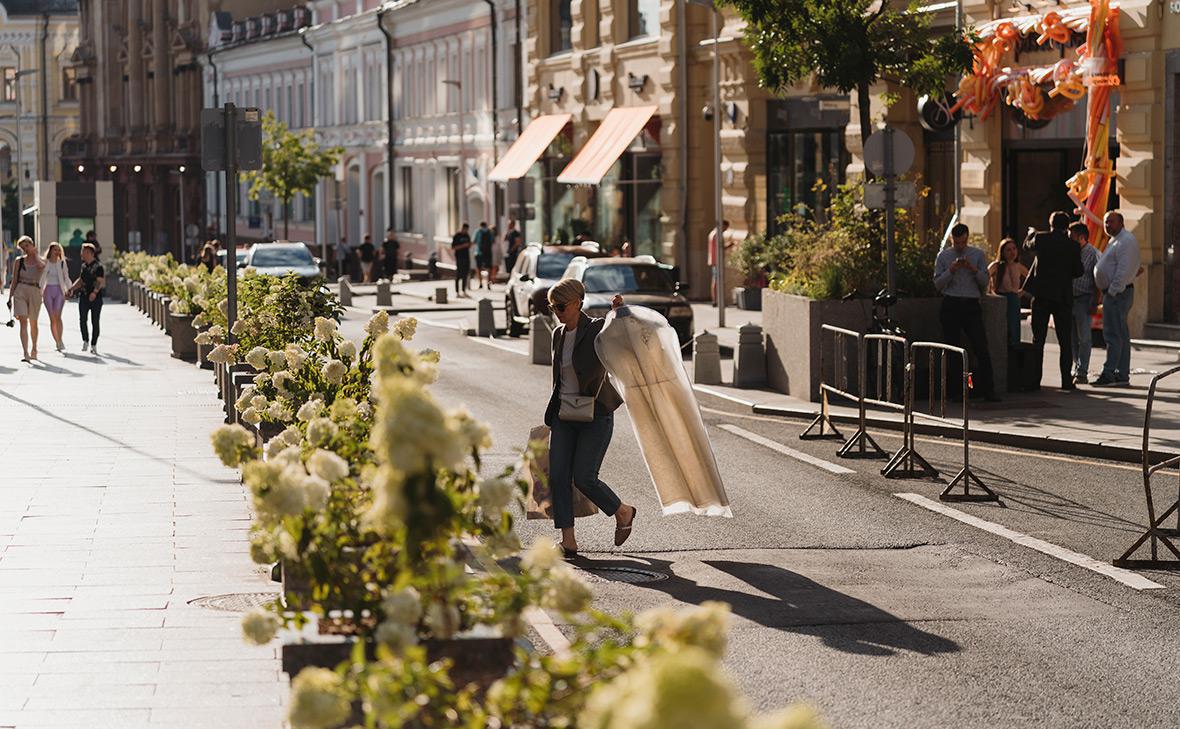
1043	443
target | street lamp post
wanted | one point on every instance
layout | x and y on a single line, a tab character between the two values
458	84
20	172
184	251
718	235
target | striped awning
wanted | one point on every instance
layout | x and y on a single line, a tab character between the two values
606	145
528	147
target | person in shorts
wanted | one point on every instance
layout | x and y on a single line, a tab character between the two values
367	253
55	283
24	295
483	254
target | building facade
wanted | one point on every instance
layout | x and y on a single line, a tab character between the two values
140	86
39	101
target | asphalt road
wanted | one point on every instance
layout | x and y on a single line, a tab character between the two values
876	610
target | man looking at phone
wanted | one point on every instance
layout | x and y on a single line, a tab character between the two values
960	273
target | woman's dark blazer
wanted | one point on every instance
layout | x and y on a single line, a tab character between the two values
590	370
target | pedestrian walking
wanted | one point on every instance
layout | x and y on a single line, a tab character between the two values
1114	274
712	257
1006	278
390	248
1085	303
55	283
343	258
497	256
24	294
1058	262
580	415
89	287
483	254
960	273
461	247
367	253
513	245
92	239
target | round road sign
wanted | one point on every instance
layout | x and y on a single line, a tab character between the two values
903	152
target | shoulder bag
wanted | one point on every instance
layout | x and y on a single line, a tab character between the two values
579	408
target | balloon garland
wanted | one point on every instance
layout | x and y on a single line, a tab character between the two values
1043	92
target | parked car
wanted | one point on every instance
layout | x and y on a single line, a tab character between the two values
281	259
241	257
537	268
642	282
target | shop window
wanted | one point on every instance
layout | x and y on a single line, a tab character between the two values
805	168
643	18
561	21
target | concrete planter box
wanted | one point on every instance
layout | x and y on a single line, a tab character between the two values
792	325
166	314
183	333
202	356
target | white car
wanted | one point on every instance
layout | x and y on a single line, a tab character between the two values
282	259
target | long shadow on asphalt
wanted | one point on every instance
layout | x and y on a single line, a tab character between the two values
798	605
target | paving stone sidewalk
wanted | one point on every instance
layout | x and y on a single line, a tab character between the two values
114	516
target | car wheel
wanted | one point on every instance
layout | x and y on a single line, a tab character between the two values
515	328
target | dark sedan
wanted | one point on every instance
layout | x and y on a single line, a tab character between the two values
641	280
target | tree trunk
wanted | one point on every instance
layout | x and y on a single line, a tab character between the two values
286	219
863	104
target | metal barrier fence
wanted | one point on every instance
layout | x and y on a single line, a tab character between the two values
907	461
1156	532
881	353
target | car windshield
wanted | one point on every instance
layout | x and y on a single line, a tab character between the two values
277	257
627	278
552	265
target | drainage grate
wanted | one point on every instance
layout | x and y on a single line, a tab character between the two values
629	575
236	602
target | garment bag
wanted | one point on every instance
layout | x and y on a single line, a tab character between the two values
642	353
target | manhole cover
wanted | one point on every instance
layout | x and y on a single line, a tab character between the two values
236	602
630	575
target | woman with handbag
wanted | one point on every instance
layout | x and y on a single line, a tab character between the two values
581	416
24	296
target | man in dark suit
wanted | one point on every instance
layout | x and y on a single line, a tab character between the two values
1058	263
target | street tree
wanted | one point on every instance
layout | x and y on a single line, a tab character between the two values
292	164
849	45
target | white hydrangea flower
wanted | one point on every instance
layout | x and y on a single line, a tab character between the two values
295	356
378	324
344	408
321	430
262	379
262	548
223	354
243	400
475	434
403	607
281	380
289	456
494	495
567	592
410	430
347	349
259	626
274	447
276	492
199	320
324	329
396	637
389	497
310	410
259	402
203	339
291	435
217	332
257	358
316	492
285	545
251	416
327	465
364	410
232	444
442	619
705	627
406	328
541	556
334	371
318	700
280	411
277	359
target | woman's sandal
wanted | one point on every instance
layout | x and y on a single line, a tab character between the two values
622	532
568	554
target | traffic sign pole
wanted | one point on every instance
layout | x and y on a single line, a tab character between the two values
231	221
890	205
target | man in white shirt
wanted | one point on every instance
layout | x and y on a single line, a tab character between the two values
1115	275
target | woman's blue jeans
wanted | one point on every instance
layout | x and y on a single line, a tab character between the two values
1013	301
576	451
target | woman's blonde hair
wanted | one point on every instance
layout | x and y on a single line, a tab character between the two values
61	254
565	291
21	241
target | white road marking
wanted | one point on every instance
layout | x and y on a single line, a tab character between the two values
1127	577
723	396
790	452
496	345
548	631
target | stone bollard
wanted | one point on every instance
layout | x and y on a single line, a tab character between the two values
540	340
384	293
345	292
440	295
486	322
749	361
706	360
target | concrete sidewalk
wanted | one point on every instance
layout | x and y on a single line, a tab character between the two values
114	517
1093	421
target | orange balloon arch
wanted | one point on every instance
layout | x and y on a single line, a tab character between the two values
1044	92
